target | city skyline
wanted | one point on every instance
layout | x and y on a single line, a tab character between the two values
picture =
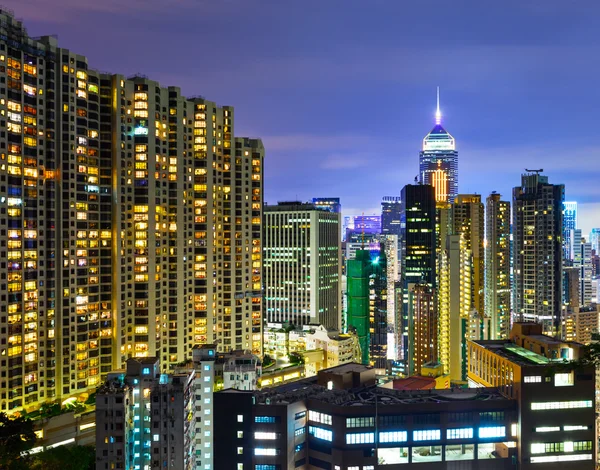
368	138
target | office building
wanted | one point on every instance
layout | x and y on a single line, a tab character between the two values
571	287
582	324
417	248
497	265
302	265
595	239
422	327
537	237
438	161
454	306
342	420
575	238
358	314
390	215
569	223
331	204
378	311
107	256
556	422
145	419
468	220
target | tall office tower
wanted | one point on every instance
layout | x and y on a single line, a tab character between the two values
586	273
595	239
302	265
569	223
358	270
331	204
537	215
378	310
390	215
145	419
417	246
454	304
468	219
423	327
438	161
389	245
571	287
574	245
497	265
108	256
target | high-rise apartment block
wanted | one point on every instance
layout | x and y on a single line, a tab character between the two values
423	327
497	265
302	265
131	226
145	419
468	221
438	161
538	250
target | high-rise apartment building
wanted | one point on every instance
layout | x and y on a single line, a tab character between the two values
132	225
423	327
468	220
569	223
438	161
497	265
302	265
145	419
390	215
537	216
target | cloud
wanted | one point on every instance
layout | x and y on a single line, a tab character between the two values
344	161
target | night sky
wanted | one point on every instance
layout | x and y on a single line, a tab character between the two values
343	91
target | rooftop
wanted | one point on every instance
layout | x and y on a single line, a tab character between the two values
517	354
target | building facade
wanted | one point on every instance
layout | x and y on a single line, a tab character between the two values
569	223
390	215
111	191
145	419
438	161
423	327
537	215
497	265
302	265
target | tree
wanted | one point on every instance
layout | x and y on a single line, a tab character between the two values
16	438
65	458
267	360
296	358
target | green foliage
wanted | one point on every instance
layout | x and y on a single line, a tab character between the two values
16	437
296	358
267	361
65	458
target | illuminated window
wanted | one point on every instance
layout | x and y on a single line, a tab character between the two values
393	436
561	405
547	429
459	433
361	422
319	417
492	431
320	433
360	438
427	435
532	379
265	451
264	419
563	380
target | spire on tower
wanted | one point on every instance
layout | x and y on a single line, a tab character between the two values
438	113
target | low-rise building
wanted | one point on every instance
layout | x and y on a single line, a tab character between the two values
556	397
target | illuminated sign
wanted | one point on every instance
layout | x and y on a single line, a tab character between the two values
141	131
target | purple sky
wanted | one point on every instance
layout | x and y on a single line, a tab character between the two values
343	91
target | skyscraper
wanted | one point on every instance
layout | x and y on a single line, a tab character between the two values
358	270
438	160
569	223
423	327
468	220
390	215
112	192
497	265
538	250
331	204
302	265
417	246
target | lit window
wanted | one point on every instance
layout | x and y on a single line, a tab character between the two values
265	451
575	428
265	435
319	417
561	405
547	429
360	438
492	431
393	436
561	458
459	433
427	435
264	419
320	433
362	422
563	380
532	379
240	450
